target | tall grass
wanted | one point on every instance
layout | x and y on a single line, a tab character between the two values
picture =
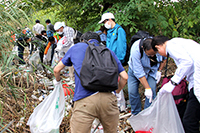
11	95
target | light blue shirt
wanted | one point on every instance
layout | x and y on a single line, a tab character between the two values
141	66
102	36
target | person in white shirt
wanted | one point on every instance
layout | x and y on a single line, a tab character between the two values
37	28
186	54
68	32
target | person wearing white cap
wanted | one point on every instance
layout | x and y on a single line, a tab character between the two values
116	36
68	32
116	41
63	30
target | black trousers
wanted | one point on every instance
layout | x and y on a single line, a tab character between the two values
191	116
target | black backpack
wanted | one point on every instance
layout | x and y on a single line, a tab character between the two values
139	35
99	70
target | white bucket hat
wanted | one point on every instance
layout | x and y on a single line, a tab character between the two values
106	16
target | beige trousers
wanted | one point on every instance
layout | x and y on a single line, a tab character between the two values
102	105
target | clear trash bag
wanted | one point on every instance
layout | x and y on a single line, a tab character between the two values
48	115
161	117
121	101
34	61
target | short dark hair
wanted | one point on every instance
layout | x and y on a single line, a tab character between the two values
37	21
26	38
51	39
158	40
43	31
113	19
147	44
48	21
90	35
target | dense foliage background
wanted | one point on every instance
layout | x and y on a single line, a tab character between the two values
173	19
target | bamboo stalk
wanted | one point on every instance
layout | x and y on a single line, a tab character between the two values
6	126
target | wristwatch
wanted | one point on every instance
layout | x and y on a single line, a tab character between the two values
173	83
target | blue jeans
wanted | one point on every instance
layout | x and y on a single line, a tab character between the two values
20	53
134	96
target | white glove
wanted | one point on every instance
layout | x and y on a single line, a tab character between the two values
167	88
149	94
158	76
55	82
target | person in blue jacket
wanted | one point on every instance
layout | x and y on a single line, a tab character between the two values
146	69
116	36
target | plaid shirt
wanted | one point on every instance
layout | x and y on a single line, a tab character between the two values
69	33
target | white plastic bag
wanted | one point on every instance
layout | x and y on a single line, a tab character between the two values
34	61
48	115
161	117
63	45
48	55
121	101
15	50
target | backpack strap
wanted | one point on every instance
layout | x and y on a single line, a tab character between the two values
117	32
77	74
140	47
100	33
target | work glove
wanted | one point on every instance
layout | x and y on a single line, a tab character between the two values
149	94
167	88
55	82
158	76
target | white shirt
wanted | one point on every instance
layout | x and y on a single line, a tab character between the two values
186	54
37	28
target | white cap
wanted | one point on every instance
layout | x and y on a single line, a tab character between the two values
106	16
58	25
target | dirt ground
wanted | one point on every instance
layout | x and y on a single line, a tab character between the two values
19	104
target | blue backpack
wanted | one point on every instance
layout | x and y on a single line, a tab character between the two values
49	33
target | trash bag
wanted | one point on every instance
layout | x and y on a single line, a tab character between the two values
48	55
160	117
63	45
15	50
48	115
121	101
34	61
